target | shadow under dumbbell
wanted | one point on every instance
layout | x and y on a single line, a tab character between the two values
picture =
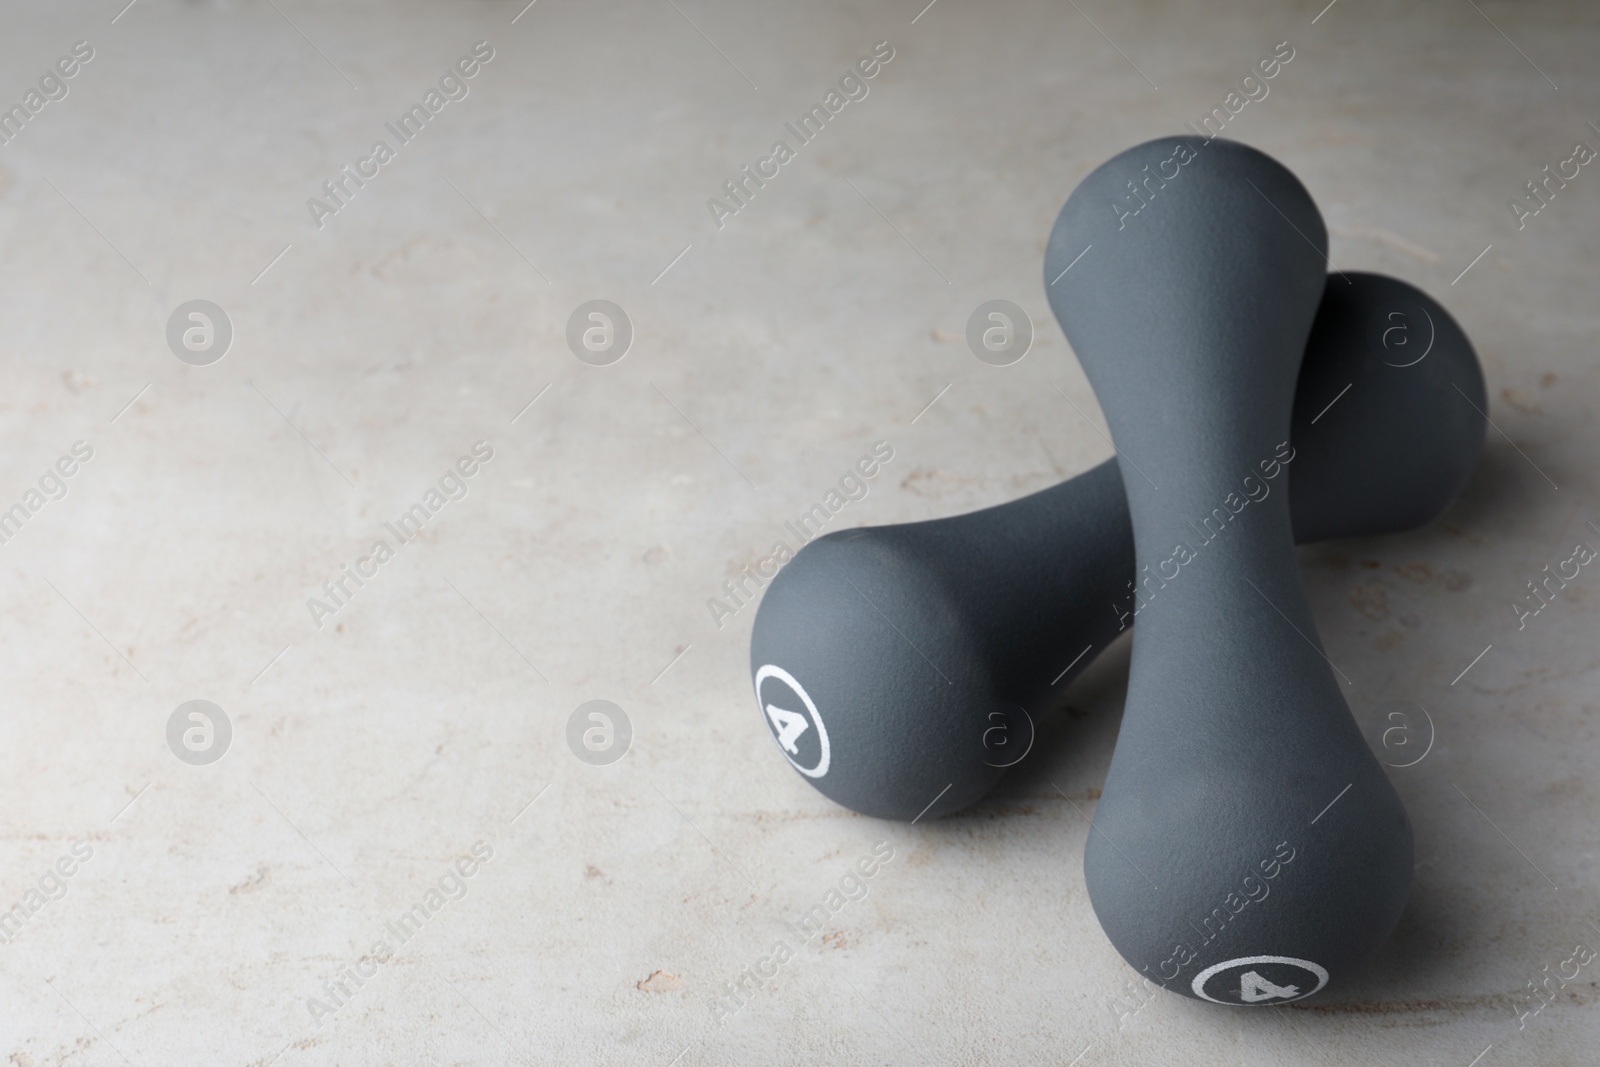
1075	731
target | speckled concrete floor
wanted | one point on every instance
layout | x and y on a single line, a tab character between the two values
407	743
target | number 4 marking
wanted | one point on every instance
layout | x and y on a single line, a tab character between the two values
1253	989
789	724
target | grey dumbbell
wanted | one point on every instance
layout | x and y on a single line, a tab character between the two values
899	665
1247	847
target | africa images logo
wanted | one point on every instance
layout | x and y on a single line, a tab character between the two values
791	714
1401	335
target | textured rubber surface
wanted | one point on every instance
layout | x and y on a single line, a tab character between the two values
1247	847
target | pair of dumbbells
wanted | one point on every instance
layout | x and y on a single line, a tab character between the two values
1247	847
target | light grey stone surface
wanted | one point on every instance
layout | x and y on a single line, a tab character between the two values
425	716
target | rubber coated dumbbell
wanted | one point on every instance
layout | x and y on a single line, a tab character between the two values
1247	847
896	665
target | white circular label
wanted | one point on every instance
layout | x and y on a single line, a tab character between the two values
797	730
1259	980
